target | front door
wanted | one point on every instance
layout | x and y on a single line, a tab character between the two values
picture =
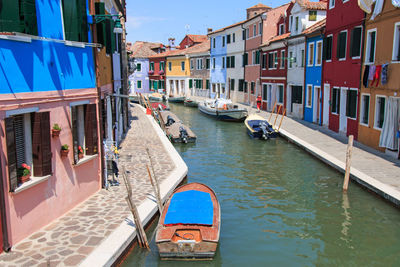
297	95
342	114
316	105
326	105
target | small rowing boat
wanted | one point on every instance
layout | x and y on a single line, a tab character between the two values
189	225
156	97
258	127
176	131
223	109
191	103
178	99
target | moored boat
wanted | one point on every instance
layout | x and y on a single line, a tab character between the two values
134	98
176	131
159	106
190	103
223	109
177	99
156	97
258	127
189	226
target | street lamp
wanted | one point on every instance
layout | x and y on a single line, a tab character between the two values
117	26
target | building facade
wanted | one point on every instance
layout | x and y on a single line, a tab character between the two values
380	93
199	58
157	73
177	73
218	67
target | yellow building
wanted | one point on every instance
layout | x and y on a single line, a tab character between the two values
178	73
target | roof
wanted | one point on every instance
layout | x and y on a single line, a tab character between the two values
142	49
259	5
227	27
276	38
309	5
199	48
197	38
315	27
272	18
166	53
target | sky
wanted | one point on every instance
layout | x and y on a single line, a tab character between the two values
158	20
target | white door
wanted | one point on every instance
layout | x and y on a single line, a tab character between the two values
270	101
342	114
326	104
316	104
289	99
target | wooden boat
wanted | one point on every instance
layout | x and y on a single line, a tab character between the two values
190	103
177	99
134	98
189	226
223	109
176	131
155	97
258	127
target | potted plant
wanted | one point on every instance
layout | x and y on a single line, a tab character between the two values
55	132
80	152
64	150
24	173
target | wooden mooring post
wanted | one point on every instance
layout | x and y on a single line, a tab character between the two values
348	163
141	234
154	182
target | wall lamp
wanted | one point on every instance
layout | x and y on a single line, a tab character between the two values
101	18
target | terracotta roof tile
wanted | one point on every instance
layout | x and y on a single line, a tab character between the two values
309	5
315	27
228	27
142	49
276	38
197	38
199	48
259	5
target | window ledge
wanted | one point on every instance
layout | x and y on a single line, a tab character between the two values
395	61
24	39
376	128
363	124
34	181
85	159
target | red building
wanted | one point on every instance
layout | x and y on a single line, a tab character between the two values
191	40
342	64
273	59
157	64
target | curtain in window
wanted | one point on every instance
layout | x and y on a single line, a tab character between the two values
390	126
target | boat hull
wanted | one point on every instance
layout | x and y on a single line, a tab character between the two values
191	103
238	115
187	250
176	99
253	129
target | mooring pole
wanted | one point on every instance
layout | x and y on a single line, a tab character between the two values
277	114
272	111
348	163
154	182
283	115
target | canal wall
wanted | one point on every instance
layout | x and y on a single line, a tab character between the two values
114	245
371	169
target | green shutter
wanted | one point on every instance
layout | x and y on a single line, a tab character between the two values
190	83
100	27
82	21
75	20
110	37
27	14
9	16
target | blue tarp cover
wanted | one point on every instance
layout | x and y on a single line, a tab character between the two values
190	207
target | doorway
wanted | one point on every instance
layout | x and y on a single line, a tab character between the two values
326	105
342	114
316	105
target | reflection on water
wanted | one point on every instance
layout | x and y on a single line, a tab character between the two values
279	205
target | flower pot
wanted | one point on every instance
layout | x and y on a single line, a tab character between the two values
55	133
64	153
23	179
80	155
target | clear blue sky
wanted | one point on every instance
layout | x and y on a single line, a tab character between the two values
157	20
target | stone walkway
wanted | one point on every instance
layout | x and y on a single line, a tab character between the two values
71	238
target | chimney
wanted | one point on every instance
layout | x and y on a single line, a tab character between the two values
171	43
209	30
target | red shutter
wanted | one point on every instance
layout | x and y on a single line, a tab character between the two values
74	124
11	153
41	144
91	130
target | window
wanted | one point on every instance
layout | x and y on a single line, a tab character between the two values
265	92
245	59
183	65
151	66
244	34
328	48
199	64
310	54
252	87
365	109
335	100
18	16
223	62
169	66
282	59
162	66
331	4
260	28
351	103
213	42
281	29
264	61
291	23
254	30
275	59
208	63
191	64
139	84
297	24
380	107
319	54
190	83
312	15
245	86
290	59
309	96
241	85
280	94
28	141
160	84
302	58
257	59
232	84
247	33
223	41
370	51
75	23
233	37
396	42
355	42
207	84
271	60
228	39
232	61
341	45
213	62
139	67
84	129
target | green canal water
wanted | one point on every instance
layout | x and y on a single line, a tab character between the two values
280	206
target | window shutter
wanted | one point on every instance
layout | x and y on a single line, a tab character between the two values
91	129
100	27
355	42
74	120
82	21
324	48
9	16
11	153
338	47
110	42
70	14
41	144
372	48
28	17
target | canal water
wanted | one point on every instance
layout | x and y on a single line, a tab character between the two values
279	205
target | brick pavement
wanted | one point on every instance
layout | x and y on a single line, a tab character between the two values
71	238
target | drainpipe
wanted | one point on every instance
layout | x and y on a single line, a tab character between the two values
244	51
304	78
4	229
360	84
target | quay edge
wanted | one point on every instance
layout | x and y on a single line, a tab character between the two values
110	250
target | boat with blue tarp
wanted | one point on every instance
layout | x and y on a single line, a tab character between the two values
258	127
189	226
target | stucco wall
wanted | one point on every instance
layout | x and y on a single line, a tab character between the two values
142	75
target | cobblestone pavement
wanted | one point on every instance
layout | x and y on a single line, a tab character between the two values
69	239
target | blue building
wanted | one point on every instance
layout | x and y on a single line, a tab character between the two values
218	64
313	72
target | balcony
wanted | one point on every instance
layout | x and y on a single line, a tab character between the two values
161	72
151	72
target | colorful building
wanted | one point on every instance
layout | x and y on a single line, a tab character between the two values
380	95
157	65
48	77
273	58
313	76
342	65
191	40
199	82
177	73
303	14
218	61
